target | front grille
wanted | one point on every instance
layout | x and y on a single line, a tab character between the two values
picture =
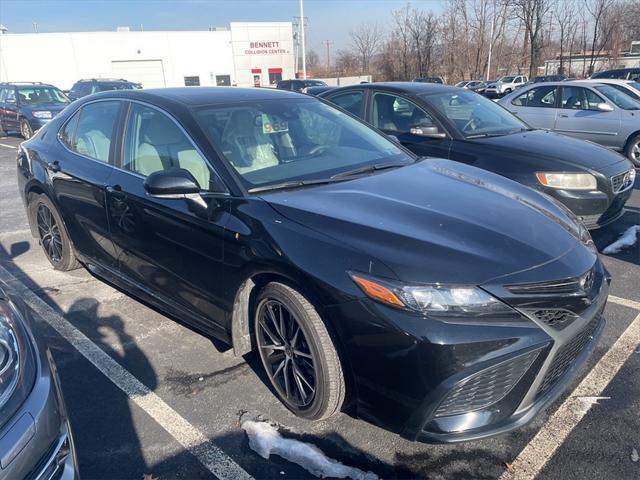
487	386
621	182
567	355
564	286
558	319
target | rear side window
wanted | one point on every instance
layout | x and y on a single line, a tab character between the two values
544	97
154	143
350	101
93	130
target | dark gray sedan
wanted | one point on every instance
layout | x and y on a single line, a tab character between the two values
35	438
590	111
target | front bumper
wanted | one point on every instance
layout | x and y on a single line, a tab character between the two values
595	208
441	382
36	443
493	93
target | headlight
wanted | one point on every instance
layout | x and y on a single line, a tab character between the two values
42	114
10	355
567	181
585	237
438	301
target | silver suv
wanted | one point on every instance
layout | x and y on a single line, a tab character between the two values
505	85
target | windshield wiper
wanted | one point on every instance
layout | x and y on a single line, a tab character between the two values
291	184
368	169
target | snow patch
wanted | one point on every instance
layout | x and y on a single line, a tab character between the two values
265	440
627	239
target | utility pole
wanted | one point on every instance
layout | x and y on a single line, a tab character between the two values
296	44
493	24
304	53
35	27
328	43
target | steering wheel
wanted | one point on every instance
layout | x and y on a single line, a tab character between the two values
318	150
471	124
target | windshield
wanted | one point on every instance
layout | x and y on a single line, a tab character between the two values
314	83
276	141
461	84
473	115
507	79
635	94
621	99
104	87
41	95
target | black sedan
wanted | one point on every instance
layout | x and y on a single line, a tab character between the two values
446	122
433	298
35	438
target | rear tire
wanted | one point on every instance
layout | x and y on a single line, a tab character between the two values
297	353
52	233
25	129
632	151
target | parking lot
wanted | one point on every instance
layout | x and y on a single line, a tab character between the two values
151	398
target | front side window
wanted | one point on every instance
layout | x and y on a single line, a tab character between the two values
94	131
396	114
154	142
542	97
67	134
579	98
473	115
350	101
41	96
274	141
621	97
507	79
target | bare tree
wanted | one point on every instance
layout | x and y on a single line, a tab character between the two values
366	41
567	24
532	14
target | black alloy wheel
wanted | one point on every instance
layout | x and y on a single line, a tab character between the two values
47	224
284	347
298	353
50	235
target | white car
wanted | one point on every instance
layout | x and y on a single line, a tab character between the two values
630	87
505	85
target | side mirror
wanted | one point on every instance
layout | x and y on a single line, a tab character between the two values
427	132
605	107
172	183
393	138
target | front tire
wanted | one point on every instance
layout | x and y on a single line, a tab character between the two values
52	234
297	353
25	129
633	150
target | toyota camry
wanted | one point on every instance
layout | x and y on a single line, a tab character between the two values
435	299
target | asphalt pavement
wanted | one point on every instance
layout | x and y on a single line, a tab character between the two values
147	395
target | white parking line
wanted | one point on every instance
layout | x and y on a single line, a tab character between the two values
539	451
7	146
214	459
625	302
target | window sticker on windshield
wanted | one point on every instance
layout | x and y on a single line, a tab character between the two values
270	125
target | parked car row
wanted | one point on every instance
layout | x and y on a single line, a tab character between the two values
362	272
448	122
26	107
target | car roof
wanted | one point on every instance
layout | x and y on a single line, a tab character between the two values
196	96
415	88
26	84
616	81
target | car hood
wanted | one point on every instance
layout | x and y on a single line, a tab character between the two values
436	221
563	150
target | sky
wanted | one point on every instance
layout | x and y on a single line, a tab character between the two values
326	19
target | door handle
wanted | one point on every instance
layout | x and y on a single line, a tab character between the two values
113	188
53	166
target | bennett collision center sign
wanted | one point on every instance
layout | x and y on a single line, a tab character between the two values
265	48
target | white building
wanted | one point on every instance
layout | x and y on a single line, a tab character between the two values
245	54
